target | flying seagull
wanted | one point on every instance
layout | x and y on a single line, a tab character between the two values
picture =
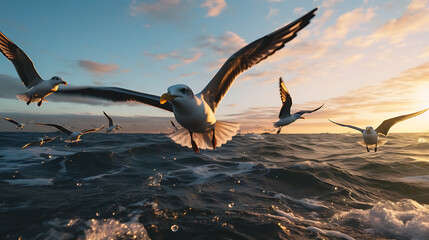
196	112
285	117
40	142
38	88
74	137
370	136
111	127
18	125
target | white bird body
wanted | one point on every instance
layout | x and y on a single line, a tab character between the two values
287	120
112	128
194	114
41	90
74	137
370	136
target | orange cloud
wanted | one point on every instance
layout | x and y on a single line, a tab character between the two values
97	68
215	7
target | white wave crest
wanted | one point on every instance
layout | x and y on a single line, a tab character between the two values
406	219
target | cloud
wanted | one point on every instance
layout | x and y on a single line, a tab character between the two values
96	68
273	12
330	3
10	86
347	21
224	45
163	10
215	7
414	20
299	10
178	55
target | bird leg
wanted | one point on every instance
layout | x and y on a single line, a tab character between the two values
40	103
280	129
29	101
214	142
194	145
367	149
375	150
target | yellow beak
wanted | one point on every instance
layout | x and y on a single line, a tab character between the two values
166	97
64	82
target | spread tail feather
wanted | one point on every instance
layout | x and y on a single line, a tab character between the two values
224	132
25	97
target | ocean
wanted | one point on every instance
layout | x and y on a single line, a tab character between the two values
257	186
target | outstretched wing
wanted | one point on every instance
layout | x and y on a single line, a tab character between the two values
110	119
387	124
30	144
23	64
349	126
116	94
92	130
308	111
249	56
12	121
59	127
49	139
286	100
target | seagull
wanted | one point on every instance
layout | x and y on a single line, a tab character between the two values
285	117
40	142
74	137
111	127
196	112
38	88
18	125
370	136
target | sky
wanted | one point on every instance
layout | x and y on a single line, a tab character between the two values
366	60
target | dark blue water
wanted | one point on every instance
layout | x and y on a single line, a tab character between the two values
141	186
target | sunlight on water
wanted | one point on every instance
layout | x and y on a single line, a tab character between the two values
111	229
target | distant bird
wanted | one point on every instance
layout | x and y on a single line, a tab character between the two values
370	136
38	88
285	117
74	137
111	127
18	125
196	112
40	142
175	128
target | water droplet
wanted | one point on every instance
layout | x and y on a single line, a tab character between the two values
50	156
230	205
78	184
174	228
97	214
336	188
174	159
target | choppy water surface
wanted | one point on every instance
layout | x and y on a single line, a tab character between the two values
143	186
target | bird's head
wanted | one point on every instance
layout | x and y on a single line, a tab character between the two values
298	116
58	80
177	93
368	129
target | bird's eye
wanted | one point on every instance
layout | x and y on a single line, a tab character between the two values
183	90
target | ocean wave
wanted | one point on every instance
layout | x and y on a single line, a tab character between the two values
406	219
31	182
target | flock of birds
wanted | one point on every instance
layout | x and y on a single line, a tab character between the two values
194	112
